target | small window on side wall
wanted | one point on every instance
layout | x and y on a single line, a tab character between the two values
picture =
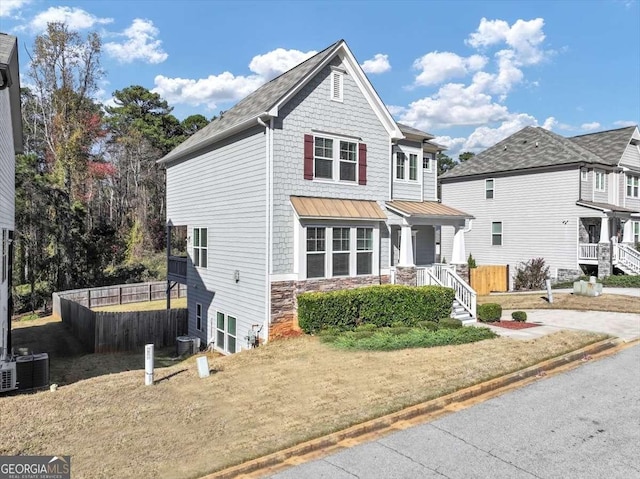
496	233
198	316
488	189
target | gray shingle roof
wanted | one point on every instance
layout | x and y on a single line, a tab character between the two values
7	43
409	130
531	147
608	145
252	106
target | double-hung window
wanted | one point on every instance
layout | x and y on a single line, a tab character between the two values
413	167
599	181
198	316
636	231
226	335
341	251
326	150
364	250
426	163
200	247
406	166
496	233
488	189
633	182
316	246
401	159
323	158
348	160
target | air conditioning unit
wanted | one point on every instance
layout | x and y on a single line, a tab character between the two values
7	376
187	345
32	371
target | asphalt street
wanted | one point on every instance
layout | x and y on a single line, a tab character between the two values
581	424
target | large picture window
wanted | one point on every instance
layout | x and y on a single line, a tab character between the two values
200	247
316	246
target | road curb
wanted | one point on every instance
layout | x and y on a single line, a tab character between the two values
424	410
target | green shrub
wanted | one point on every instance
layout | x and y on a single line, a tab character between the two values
398	324
449	323
428	325
366	327
622	281
471	262
490	312
379	305
531	275
519	316
396	330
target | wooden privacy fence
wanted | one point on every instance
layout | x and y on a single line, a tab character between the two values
487	279
118	294
102	332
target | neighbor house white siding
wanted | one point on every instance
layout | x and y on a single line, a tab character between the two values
538	213
631	157
224	190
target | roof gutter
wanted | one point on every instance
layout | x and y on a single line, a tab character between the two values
256	120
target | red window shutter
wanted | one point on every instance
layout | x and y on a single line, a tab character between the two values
308	157
362	164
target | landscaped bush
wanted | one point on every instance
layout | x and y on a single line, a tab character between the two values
386	340
430	325
366	327
380	305
519	316
490	312
449	323
531	275
622	281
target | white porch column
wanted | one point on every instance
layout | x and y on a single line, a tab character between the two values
459	255
604	230
406	247
627	232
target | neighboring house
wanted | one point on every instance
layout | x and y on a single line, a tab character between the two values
307	184
572	201
10	144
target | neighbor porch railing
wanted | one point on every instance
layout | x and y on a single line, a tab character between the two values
626	256
445	275
588	251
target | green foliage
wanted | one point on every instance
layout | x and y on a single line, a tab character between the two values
531	275
467	155
449	323
379	305
622	281
366	327
445	163
471	262
388	339
490	312
134	242
429	325
520	316
25	299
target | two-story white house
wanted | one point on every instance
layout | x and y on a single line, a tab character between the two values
307	184
573	201
10	145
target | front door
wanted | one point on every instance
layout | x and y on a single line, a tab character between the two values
592	234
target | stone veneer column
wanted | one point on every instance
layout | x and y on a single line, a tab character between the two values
406	275
604	260
463	272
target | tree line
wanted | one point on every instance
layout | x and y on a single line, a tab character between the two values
90	198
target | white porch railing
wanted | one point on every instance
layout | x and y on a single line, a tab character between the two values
588	251
626	256
445	275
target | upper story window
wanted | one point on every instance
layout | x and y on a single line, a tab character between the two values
323	158
348	160
633	182
496	233
326	150
488	188
200	247
426	163
599	184
406	169
401	159
413	167
337	85
585	175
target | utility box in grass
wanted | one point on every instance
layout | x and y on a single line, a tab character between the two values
590	288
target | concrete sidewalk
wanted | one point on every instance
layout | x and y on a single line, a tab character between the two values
621	325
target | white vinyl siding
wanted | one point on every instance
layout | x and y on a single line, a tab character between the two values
407	177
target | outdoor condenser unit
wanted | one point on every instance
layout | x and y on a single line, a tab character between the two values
7	376
32	371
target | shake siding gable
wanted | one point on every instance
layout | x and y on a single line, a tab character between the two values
312	109
224	190
538	214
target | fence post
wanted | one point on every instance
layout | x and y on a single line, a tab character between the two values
149	292
119	294
89	298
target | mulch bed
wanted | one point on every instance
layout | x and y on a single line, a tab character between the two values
514	324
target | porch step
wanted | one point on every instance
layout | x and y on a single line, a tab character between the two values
460	313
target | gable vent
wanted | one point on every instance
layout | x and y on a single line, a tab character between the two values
337	83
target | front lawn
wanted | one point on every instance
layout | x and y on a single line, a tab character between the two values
606	302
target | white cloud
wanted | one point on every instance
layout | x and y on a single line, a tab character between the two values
277	61
378	64
437	67
227	87
549	123
396	110
141	44
7	7
590	126
623	123
484	136
75	18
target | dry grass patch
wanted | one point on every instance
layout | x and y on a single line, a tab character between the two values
144	306
258	402
607	302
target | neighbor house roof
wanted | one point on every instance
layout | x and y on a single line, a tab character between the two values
425	209
409	130
334	208
605	207
264	102
9	68
531	147
608	145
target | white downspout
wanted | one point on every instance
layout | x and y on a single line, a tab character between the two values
268	223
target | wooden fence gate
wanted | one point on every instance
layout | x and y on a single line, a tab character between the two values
487	279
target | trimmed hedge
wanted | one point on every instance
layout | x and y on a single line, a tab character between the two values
449	323
519	316
490	312
381	305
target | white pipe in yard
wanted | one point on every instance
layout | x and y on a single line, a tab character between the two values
148	365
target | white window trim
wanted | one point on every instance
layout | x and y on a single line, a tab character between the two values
225	347
493	188
635	232
630	183
429	158
597	173
340	75
328	252
335	161
407	163
584	175
501	234
194	247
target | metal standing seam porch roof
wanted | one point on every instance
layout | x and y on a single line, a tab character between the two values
334	208
426	209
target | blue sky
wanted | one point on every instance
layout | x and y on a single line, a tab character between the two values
469	72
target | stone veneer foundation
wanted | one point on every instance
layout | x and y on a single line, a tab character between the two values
284	298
